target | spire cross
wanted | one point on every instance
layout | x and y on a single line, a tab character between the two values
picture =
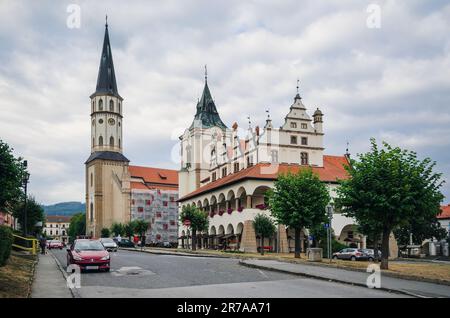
249	122
346	150
298	82
268	113
206	73
106	21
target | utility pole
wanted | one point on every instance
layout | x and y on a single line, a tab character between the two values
330	216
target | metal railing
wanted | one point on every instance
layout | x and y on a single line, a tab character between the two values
25	244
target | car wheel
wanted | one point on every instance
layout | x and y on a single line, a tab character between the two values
370	259
334	257
107	270
353	258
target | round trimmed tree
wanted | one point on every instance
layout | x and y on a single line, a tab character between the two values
299	201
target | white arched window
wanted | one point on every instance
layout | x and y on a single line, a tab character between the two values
100	104
100	141
111	105
111	141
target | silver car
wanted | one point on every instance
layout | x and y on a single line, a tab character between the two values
109	244
353	254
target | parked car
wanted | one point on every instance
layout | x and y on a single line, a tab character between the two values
353	254
89	255
55	244
371	253
125	243
109	244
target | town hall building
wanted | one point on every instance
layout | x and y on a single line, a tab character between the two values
227	175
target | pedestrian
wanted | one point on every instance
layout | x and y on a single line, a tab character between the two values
43	244
119	239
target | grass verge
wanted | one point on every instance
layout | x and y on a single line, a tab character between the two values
17	275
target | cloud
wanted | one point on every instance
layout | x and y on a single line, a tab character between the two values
390	83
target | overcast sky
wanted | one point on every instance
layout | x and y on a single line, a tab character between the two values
391	83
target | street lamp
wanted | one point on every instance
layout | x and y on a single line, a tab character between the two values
25	179
330	216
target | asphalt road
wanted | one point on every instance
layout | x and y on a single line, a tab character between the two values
136	274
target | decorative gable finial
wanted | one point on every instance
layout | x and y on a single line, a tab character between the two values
206	74
106	21
297	96
268	113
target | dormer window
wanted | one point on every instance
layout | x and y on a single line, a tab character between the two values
213	176
293	125
236	167
224	172
304	126
293	140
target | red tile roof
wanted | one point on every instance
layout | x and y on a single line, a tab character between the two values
332	170
445	214
154	178
58	219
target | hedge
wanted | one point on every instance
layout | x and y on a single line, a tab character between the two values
6	240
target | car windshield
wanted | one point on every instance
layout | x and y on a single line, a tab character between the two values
107	240
55	241
89	246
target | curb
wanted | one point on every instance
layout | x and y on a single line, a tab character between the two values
390	290
33	272
175	253
73	291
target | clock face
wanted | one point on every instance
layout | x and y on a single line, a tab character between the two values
111	121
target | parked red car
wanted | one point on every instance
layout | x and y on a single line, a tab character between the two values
89	255
55	244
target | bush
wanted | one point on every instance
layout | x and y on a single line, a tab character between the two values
105	232
6	240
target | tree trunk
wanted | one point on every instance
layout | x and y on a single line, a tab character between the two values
375	249
262	245
385	249
194	240
297	243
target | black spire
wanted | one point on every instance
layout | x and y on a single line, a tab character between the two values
106	80
207	115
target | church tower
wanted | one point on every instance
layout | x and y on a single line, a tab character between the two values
198	143
107	177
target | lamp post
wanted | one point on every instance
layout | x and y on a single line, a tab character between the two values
330	216
25	179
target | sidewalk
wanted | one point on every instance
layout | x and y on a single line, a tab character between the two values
49	282
409	287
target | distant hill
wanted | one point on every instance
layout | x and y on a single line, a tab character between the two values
64	208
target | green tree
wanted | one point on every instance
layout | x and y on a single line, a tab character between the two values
35	213
11	175
387	189
77	225
117	229
105	232
198	221
128	229
299	201
264	227
141	227
421	230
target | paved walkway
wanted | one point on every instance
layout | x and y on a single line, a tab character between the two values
416	288
49	282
